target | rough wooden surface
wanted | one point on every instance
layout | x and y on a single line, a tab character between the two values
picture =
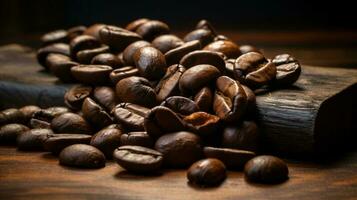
33	175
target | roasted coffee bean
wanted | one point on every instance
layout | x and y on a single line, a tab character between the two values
129	51
116	126
248	48
132	26
57	48
152	29
28	111
42	118
56	142
92	74
36	123
207	172
230	67
150	62
107	59
230	100
204	99
165	43
205	36
137	139
106	97
106	140
244	136
57	36
266	169
11	115
95	113
197	77
9	133
161	120
83	42
136	90
228	48
233	158
180	149
117	38
75	96
61	65
138	159
205	24
32	140
251	102
94	30
82	156
70	123
180	105
169	84
75	31
203	57
130	115
288	70
123	72
175	55
202	123
254	70
85	56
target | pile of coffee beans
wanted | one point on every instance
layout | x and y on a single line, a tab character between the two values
149	99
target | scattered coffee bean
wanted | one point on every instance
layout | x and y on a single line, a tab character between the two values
32	140
82	156
61	65
150	62
85	56
11	115
9	133
165	43
228	48
95	113
57	36
152	29
132	26
92	74
75	96
181	105
129	51
56	48
169	84
117	38
288	70
207	172
56	142
175	55
107	59
203	57
83	42
137	139
70	123
130	115
123	72
106	140
205	36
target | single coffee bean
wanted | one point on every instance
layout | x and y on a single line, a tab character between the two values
137	139
129	51
230	67
205	36
245	136
181	105
85	56
175	55
42	118
95	113
118	74
11	115
204	99
117	38
152	29
266	169
56	142
94	30
82	156
57	36
71	123
248	48
203	57
205	24
230	100
161	120
254	70
197	77
138	159
107	59
132	26
130	115
136	90
150	62
202	123
9	133
288	70
57	48
92	74
106	140
75	31
28	111
233	158
83	42
106	97
169	83
75	96
207	172
165	43
60	65
180	149
32	140
228	48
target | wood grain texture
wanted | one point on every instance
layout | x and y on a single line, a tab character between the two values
34	175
